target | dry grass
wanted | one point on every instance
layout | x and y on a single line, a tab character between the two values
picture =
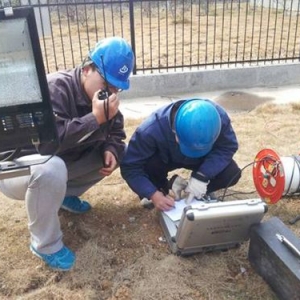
119	256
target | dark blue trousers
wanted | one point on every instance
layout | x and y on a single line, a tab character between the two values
157	171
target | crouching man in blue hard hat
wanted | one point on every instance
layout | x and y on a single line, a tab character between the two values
91	135
195	134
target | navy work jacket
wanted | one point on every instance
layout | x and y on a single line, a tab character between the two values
155	136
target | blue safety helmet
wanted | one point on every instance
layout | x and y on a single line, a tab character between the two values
114	59
197	125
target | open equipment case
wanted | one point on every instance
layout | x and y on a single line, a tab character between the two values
26	115
207	227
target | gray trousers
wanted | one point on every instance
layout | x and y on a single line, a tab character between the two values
44	190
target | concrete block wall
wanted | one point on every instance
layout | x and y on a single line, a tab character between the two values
150	85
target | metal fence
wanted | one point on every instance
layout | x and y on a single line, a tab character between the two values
171	35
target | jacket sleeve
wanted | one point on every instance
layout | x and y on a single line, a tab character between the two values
116	136
222	152
70	129
141	147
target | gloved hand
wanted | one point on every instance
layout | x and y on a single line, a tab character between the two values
178	185
196	189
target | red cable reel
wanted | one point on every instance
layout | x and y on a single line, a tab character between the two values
268	176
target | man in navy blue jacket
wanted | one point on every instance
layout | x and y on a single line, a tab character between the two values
195	134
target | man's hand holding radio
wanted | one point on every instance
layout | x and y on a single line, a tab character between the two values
104	110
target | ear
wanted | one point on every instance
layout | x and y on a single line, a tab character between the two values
85	70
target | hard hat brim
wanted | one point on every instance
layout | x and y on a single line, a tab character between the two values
123	85
194	153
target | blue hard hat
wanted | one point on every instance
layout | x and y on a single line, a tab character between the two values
197	125
114	59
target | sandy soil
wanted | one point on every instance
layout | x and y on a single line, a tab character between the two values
120	253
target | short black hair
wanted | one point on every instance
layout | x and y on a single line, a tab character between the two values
88	62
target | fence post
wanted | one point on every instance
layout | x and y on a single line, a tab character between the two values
132	30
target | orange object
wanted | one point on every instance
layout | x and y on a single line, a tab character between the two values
268	176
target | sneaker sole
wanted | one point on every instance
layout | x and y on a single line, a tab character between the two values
74	211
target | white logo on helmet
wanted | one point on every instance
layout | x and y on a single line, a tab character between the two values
124	69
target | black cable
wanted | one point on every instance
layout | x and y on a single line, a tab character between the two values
106	93
10	155
240	193
296	163
237	174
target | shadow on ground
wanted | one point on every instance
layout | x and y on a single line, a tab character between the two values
241	101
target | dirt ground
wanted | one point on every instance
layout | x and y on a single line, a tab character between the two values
119	247
120	251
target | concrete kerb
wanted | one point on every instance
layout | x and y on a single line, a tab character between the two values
235	88
212	80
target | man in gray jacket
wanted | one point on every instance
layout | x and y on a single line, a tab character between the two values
91	135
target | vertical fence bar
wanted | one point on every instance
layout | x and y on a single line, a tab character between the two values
112	14
229	37
95	22
142	33
52	40
206	42
175	32
167	34
150	34
191	33
238	32
132	31
268	29
182	34
222	33
70	36
78	31
296	31
252	32
215	34
275	29
199	33
159	33
121	18
61	37
282	27
104	20
43	34
289	30
260	29
245	31
87	25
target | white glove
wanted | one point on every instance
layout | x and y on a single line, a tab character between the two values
196	189
178	186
